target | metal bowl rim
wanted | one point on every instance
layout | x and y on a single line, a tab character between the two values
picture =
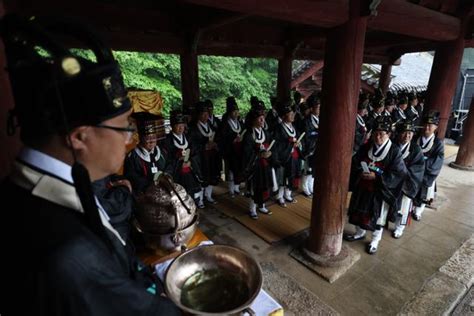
236	310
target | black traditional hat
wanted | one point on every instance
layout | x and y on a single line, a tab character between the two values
209	104
253	101
363	101
313	100
55	89
412	96
378	102
147	123
402	100
284	107
431	118
201	107
406	126
231	104
254	114
177	117
383	123
389	101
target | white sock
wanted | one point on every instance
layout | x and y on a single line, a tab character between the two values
304	185
359	232
288	194
376	237
420	209
311	184
281	190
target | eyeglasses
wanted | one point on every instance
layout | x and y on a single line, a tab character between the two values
130	130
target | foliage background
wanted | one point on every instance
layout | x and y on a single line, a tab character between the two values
219	77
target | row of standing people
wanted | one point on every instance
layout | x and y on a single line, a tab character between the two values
266	151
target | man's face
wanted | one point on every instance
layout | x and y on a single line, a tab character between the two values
260	121
289	117
406	137
204	116
380	137
148	142
234	114
315	109
389	107
403	106
379	110
105	148
429	129
178	129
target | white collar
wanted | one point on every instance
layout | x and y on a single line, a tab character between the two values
289	129
234	125
204	128
49	187
315	121
402	113
180	141
381	151
405	149
259	135
360	119
146	155
426	143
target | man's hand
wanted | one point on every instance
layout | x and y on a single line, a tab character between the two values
368	176
265	154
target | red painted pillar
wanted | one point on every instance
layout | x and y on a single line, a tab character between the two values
465	156
341	81
9	144
189	77
443	80
284	76
384	80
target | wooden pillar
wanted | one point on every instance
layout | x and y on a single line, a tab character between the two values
341	81
189	77
9	144
384	80
284	76
465	156
443	80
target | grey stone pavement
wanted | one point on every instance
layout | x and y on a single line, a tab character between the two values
426	272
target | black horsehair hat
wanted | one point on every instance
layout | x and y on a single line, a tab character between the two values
147	123
231	104
383	123
177	117
431	118
55	89
406	126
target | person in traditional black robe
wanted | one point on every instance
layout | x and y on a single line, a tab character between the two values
360	136
288	156
183	162
398	114
389	107
377	175
415	163
433	152
147	161
75	130
309	144
214	121
230	142
257	162
202	137
411	112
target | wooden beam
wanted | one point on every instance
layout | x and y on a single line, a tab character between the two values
403	17
317	65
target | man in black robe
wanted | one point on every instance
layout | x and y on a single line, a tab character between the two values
230	142
361	128
433	152
287	156
377	174
214	121
398	114
146	161
309	144
183	162
73	114
257	162
411	112
272	119
202	136
413	158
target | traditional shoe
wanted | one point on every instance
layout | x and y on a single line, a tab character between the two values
265	210
210	200
232	195
308	195
200	205
282	203
416	217
397	234
292	200
348	237
371	249
253	214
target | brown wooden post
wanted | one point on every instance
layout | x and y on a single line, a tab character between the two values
284	75
9	144
189	77
465	157
443	80
341	82
384	80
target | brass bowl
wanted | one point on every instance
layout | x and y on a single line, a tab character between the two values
233	277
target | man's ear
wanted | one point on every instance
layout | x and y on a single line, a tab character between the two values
77	138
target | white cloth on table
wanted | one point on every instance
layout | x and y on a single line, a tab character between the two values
263	305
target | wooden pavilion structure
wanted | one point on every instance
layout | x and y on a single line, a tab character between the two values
341	33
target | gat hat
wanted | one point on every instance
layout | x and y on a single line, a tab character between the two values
284	107
231	104
254	114
383	123
431	118
378	102
363	101
406	126
313	100
55	89
253	101
209	104
201	107
147	123
177	117
402	100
